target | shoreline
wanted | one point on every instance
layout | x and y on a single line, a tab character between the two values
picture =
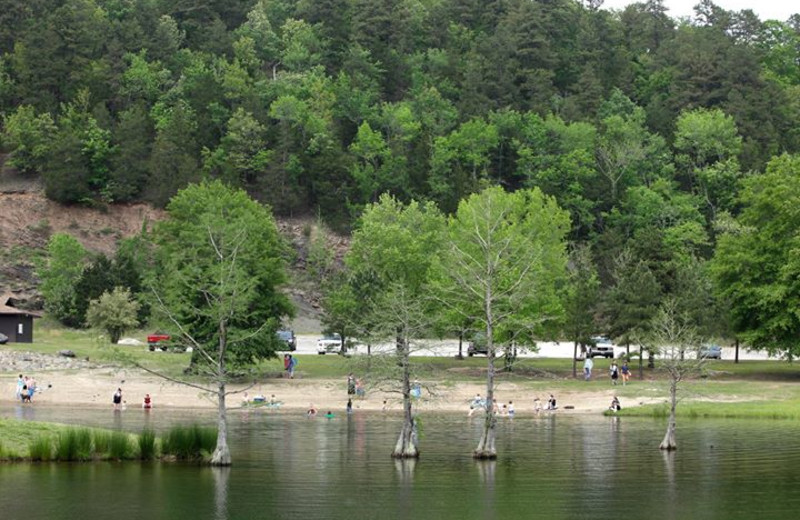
95	387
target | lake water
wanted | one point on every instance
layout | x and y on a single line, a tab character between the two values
553	467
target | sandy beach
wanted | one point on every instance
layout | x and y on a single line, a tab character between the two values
95	386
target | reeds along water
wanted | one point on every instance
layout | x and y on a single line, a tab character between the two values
189	442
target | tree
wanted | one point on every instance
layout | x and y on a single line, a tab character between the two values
582	300
756	266
28	135
676	339
60	274
631	302
115	312
461	160
396	245
219	272
504	257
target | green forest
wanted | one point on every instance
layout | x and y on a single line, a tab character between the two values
669	142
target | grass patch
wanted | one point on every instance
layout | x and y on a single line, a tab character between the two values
120	446
74	444
102	442
147	445
189	442
41	449
775	410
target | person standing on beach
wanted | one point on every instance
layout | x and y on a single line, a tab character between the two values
117	399
351	384
291	366
20	384
588	365
626	373
614	370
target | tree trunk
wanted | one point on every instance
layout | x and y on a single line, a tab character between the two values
486	447
221	455
736	359
669	442
460	345
406	446
575	360
641	368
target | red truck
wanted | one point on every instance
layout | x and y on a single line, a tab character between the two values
158	341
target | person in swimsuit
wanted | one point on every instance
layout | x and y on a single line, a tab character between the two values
148	402
117	399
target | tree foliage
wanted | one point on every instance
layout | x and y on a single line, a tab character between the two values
503	259
114	312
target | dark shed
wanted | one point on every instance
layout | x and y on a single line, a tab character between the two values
16	324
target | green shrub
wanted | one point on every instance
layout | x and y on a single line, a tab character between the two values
120	446
147	445
41	448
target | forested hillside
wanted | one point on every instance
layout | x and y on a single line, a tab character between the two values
641	126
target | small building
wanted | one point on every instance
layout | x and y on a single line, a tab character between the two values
16	324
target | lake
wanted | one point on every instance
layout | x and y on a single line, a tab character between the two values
553	466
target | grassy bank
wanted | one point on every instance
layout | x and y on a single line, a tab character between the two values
780	410
44	442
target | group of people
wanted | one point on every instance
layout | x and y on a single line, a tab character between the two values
26	388
355	387
508	410
119	403
312	411
614	371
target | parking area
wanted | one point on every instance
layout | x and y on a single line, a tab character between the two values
307	344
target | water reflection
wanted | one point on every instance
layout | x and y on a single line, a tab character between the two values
553	466
486	475
405	470
221	479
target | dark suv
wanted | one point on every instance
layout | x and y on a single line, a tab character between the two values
478	345
288	337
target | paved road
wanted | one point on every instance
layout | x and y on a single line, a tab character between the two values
307	344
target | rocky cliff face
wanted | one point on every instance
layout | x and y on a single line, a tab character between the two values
28	219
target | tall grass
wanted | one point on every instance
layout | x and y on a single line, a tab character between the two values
120	446
102	441
41	448
74	444
147	445
189	442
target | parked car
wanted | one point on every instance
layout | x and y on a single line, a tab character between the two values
329	343
289	338
600	346
163	342
478	345
710	352
3	339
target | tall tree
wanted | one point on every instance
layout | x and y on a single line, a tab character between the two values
66	258
397	245
503	259
581	300
219	272
756	264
